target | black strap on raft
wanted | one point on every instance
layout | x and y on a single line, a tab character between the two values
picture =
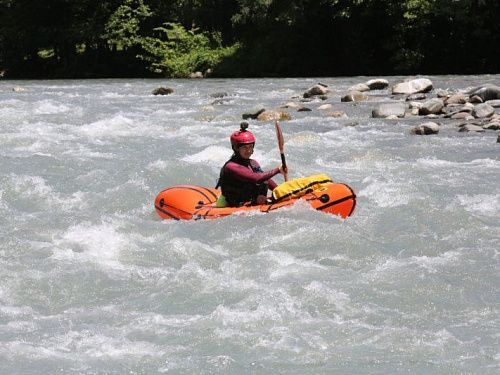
304	188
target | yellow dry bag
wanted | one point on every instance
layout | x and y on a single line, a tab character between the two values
299	186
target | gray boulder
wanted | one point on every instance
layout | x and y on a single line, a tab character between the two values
377	84
494	103
252	114
486	92
304	109
492	126
483	110
468	107
162	91
290	105
476	99
461	116
354	96
432	106
451	109
426	128
456	99
360	87
271	115
413	86
389	109
414	97
471	128
337	114
196	75
324	107
442	93
316	90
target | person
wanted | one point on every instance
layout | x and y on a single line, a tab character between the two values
242	179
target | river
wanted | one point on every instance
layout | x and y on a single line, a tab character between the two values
93	282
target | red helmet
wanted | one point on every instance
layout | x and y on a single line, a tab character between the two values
242	136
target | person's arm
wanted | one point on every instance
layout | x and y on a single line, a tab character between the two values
271	184
246	174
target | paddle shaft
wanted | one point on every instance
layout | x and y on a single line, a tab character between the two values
281	145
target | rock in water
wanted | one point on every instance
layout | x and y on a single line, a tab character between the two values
413	86
431	106
483	110
361	87
270	115
456	99
316	90
486	92
253	114
377	84
471	128
163	91
354	96
426	128
389	109
413	97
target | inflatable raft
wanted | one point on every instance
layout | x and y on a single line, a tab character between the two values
188	202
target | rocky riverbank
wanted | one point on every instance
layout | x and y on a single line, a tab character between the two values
467	110
474	110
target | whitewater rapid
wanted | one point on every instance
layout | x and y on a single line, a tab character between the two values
92	281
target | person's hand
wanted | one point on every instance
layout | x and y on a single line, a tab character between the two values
283	170
261	199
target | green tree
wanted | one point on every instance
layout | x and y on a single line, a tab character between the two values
177	52
123	28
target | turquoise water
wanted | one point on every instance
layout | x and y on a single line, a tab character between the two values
92	281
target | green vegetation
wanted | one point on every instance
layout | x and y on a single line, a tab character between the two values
247	38
178	52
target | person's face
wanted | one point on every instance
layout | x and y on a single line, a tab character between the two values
246	151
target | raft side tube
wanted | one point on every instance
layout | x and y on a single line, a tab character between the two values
187	202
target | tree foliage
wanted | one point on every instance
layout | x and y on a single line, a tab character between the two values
66	38
177	52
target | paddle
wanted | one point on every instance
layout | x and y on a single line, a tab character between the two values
281	145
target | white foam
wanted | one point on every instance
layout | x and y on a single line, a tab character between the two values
387	194
485	204
158	165
194	249
31	186
238	316
3	204
35	188
163	323
433	162
214	156
15	311
83	152
100	243
393	267
338	298
85	344
283	264
49	107
118	126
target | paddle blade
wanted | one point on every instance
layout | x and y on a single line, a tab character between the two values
279	136
281	145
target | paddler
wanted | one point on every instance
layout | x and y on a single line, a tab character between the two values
242	179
